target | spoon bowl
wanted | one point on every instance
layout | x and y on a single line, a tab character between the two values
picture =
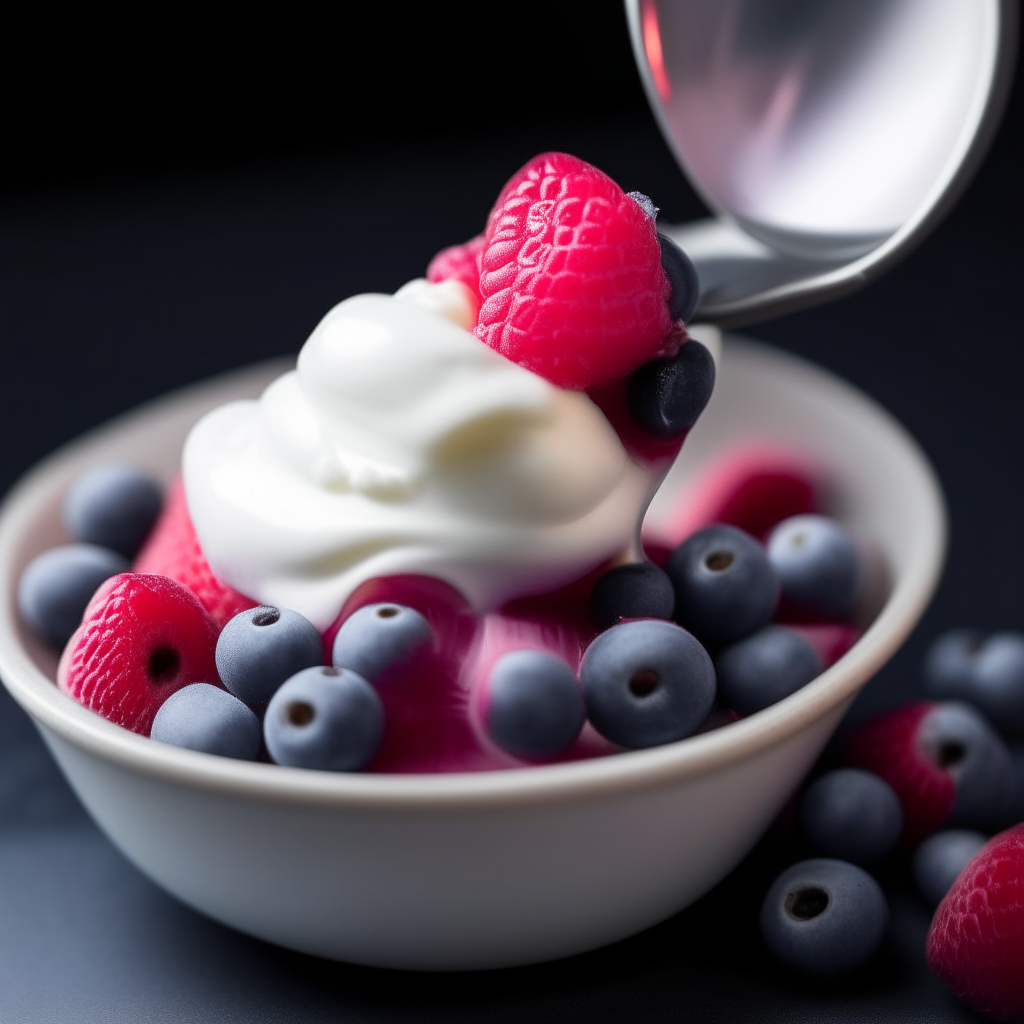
827	137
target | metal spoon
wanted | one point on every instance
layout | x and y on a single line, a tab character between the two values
827	136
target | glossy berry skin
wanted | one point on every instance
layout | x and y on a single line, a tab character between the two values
458	262
639	590
986	672
535	706
324	718
824	918
818	565
851	814
765	667
725	586
172	549
945	762
378	636
682	276
667	396
939	860
646	683
56	585
976	940
571	277
262	647
112	505
208	719
142	638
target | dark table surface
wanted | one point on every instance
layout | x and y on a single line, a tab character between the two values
112	295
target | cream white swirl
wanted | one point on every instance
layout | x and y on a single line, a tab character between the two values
402	444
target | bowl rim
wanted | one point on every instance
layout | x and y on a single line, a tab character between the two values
595	778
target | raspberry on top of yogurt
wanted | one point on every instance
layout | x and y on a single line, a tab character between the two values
428	433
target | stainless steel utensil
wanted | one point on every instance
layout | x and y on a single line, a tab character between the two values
827	136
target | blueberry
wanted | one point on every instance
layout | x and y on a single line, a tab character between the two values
378	635
725	586
996	683
207	718
56	586
647	683
851	814
262	647
765	667
950	662
818	565
824	917
940	859
637	591
682	275
666	396
325	718
112	505
535	707
961	742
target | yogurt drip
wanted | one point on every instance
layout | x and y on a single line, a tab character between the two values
402	444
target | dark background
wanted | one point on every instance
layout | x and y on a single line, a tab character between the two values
181	195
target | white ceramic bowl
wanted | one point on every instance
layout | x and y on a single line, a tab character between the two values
496	868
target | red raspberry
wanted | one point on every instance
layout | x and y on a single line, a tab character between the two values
172	549
461	262
889	746
142	638
571	276
976	941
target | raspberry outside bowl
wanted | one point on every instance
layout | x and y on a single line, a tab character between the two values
493	869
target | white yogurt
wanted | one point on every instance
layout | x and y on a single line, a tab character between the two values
402	444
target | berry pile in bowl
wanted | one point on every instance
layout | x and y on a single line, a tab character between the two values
658	700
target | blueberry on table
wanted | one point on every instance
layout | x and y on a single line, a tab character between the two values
639	590
56	586
818	565
379	635
851	814
726	588
765	667
325	718
535	706
646	683
960	742
206	718
262	647
112	505
987	673
682	276
824	917
667	396
948	766
949	663
940	859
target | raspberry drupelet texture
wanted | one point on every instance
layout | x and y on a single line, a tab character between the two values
976	940
142	638
571	276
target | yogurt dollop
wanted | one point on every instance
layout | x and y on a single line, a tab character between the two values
403	444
